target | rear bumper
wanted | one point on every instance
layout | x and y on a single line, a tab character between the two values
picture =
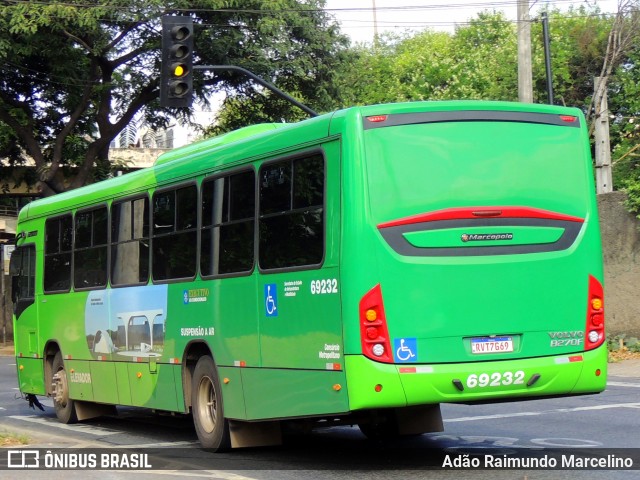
415	384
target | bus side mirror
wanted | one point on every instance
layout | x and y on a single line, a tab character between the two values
15	265
15	290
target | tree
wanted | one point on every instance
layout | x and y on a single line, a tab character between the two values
478	61
578	45
74	75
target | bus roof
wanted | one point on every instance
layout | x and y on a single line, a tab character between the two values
247	144
217	141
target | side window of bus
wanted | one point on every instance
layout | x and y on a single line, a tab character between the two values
90	249
174	233
228	212
57	254
130	242
292	213
23	275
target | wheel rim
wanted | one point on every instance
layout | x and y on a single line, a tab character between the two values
61	390
207	404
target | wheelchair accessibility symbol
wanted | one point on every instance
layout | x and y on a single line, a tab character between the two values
271	299
405	350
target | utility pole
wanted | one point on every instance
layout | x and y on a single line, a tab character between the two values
547	56
525	76
375	24
604	179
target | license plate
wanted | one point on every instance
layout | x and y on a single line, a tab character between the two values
492	345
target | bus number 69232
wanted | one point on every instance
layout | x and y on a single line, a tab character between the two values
495	379
320	287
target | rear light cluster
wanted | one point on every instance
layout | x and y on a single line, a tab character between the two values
374	334
378	118
594	332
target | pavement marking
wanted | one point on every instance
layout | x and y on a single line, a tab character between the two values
55	424
623	384
180	443
543	412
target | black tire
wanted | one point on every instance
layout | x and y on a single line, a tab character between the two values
207	407
65	407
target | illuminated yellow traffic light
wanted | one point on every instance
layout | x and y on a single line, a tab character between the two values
176	79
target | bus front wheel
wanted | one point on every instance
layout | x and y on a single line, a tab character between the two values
207	407
65	408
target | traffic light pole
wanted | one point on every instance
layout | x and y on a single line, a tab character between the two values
274	89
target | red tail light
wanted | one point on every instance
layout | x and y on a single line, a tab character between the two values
374	334
568	118
594	331
378	118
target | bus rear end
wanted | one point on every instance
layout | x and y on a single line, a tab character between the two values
474	267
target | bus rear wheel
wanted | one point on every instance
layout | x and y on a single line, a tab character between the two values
65	407
381	426
207	407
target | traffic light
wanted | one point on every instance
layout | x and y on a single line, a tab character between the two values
176	78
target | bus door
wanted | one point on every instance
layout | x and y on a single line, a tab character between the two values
299	288
23	275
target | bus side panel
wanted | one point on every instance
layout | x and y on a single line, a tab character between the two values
303	331
155	390
220	312
280	393
105	382
233	392
79	379
122	383
31	375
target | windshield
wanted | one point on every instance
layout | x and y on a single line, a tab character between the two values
417	168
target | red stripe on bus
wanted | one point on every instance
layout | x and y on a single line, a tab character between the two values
408	369
465	213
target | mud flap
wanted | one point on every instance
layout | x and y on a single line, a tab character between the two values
419	419
87	410
254	434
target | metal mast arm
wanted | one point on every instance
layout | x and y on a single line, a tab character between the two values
259	80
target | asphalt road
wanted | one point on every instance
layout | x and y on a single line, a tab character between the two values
608	420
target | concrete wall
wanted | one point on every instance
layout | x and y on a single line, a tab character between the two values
621	250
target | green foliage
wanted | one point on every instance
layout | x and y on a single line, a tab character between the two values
578	45
625	129
73	71
479	61
620	342
10	439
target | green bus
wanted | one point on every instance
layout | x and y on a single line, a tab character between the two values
361	267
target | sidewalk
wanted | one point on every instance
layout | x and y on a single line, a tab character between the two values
625	368
6	351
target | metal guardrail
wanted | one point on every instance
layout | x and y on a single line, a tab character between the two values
7	211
